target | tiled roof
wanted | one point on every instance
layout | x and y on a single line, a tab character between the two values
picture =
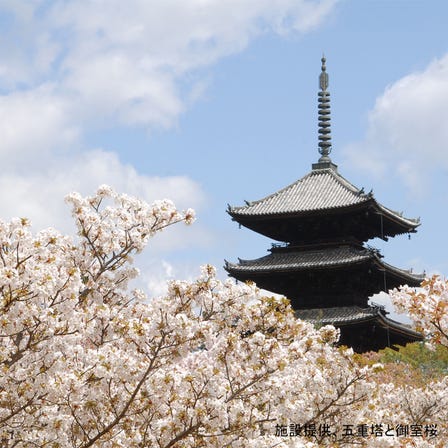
321	189
318	190
337	315
279	261
345	315
400	272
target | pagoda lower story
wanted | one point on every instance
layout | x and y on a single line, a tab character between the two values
363	329
331	284
322	263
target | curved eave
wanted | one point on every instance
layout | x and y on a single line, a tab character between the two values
393	222
338	316
321	192
408	277
303	260
352	315
318	260
407	224
399	327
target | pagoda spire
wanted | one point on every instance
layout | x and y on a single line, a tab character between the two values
324	121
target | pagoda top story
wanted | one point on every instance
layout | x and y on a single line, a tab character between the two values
323	193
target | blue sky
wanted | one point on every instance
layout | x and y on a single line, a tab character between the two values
210	102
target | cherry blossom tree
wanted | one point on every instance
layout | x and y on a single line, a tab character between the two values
85	361
427	307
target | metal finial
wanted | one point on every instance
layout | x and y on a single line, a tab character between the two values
323	78
324	115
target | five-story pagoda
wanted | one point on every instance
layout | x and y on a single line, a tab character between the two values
323	264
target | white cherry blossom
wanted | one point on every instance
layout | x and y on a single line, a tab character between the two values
86	362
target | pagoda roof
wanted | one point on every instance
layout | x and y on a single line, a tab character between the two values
327	257
319	190
341	315
323	189
349	315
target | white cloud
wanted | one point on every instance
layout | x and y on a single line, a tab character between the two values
40	195
184	33
122	61
34	124
114	87
408	128
70	67
27	49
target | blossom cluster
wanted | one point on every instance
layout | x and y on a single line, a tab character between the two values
87	362
427	306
